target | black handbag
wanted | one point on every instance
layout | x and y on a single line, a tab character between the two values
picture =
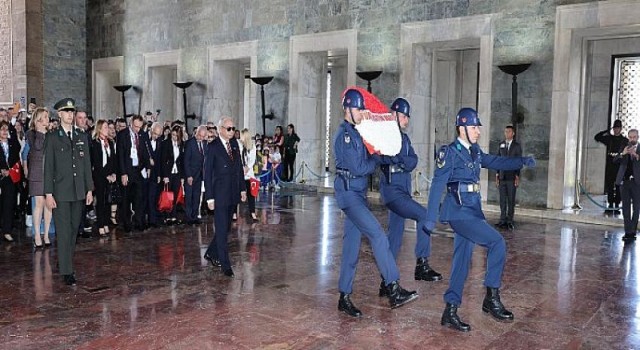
114	194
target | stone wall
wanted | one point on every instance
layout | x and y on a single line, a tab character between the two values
65	48
6	69
524	32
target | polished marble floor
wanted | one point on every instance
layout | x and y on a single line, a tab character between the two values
570	286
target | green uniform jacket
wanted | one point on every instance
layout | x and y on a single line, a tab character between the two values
67	167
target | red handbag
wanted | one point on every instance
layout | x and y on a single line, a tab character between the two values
180	199
255	186
15	173
165	202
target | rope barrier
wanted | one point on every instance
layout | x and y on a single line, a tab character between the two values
583	191
316	175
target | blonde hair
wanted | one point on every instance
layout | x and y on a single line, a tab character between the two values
38	114
246	139
97	127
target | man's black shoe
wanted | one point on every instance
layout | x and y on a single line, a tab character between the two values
69	280
451	319
501	224
228	272
424	272
383	292
214	262
492	305
398	296
510	226
629	237
345	305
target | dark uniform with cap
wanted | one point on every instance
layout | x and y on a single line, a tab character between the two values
458	172
395	188
353	165
615	143
67	176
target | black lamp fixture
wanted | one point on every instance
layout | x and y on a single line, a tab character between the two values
369	76
184	85
122	89
262	81
514	70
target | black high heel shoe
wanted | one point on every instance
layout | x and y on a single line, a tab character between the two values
37	246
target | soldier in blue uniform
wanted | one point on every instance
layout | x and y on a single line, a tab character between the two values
458	172
353	165
395	188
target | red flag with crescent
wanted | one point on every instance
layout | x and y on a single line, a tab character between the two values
379	128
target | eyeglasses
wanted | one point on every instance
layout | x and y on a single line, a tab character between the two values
230	128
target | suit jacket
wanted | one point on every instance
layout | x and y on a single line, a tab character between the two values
14	154
168	161
223	177
67	165
193	159
100	172
123	147
624	161
514	151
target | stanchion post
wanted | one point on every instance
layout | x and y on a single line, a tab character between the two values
417	177
302	170
576	197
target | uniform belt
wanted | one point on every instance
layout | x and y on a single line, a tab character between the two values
345	173
395	169
463	187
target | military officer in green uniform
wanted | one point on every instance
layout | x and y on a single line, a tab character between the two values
67	182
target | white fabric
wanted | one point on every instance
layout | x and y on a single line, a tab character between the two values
176	154
134	150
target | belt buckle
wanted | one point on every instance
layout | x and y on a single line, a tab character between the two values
470	188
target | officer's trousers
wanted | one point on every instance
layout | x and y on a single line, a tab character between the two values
359	220
468	233
67	217
406	208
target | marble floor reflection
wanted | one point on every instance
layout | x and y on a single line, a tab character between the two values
570	286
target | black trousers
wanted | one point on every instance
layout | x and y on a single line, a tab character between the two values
153	189
7	204
132	199
507	200
630	198
219	247
250	198
612	190
289	163
103	210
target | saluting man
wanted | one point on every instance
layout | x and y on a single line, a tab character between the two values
395	188
68	183
458	171
353	165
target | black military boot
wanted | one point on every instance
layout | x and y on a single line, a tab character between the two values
493	306
345	305
398	296
424	272
451	319
383	292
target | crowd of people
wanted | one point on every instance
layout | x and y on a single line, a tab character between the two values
132	162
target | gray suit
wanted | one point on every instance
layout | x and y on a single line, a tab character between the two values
507	185
629	183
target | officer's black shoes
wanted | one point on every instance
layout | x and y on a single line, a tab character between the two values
229	272
383	292
492	305
214	262
345	305
69	280
451	319
629	237
399	296
510	226
424	272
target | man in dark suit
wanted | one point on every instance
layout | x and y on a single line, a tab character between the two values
152	189
508	180
224	189
131	163
68	183
628	178
194	153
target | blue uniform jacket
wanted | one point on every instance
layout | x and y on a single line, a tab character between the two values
455	164
352	157
398	185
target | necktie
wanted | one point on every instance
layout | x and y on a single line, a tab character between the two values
229	152
200	147
136	138
69	135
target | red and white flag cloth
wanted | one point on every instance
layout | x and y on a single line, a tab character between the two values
379	129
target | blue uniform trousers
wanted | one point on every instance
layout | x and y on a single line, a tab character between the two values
359	220
468	233
406	208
